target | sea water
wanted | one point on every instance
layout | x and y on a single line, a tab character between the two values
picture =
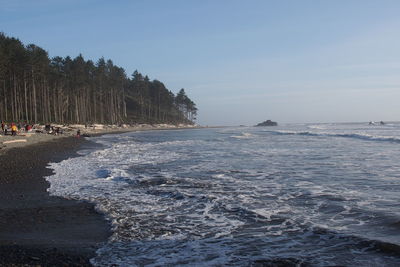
306	194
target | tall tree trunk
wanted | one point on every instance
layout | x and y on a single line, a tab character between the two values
26	99
124	103
76	109
15	99
55	90
12	100
34	98
5	101
94	107
101	108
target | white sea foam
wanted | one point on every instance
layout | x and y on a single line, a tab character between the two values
356	135
317	127
243	136
198	201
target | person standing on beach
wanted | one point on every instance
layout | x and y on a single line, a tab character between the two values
14	129
2	126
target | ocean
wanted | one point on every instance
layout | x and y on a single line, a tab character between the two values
297	195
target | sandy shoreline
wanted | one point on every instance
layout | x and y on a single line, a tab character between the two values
23	139
38	229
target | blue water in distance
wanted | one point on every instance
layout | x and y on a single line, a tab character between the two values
305	194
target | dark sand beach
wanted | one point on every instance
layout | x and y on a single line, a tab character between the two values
38	229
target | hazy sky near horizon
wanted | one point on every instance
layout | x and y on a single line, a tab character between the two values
241	61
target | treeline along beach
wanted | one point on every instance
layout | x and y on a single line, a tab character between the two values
39	89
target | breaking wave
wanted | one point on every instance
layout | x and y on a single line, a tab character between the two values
202	198
361	136
243	136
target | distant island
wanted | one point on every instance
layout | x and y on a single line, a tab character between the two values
267	123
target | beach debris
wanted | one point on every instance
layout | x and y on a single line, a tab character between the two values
15	141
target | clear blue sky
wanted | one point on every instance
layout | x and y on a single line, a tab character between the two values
242	62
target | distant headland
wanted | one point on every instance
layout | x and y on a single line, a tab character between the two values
267	123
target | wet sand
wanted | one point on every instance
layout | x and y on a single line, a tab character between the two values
24	139
37	229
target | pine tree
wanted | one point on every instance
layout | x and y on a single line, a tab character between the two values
37	89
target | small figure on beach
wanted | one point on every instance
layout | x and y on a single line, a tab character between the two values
14	129
47	128
28	128
3	126
78	133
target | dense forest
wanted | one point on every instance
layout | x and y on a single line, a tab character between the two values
39	89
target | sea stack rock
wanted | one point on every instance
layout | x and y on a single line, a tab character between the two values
268	123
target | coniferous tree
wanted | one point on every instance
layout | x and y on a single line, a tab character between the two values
37	89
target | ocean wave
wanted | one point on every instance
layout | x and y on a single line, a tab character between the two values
362	136
173	201
360	241
176	250
316	127
243	136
